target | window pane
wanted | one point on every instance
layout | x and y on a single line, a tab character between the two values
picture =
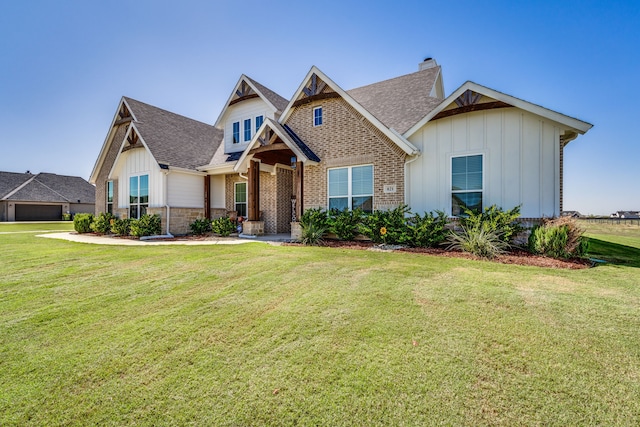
236	132
339	203
474	164
362	180
247	130
109	191
459	181
338	182
133	212
259	121
241	208
241	192
459	165
143	210
133	189
317	116
474	181
365	203
144	188
460	201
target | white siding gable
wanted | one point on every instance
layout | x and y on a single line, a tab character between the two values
521	161
138	161
248	109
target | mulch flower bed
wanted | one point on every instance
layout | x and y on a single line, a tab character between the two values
518	257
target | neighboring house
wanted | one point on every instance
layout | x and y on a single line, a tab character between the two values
571	214
399	141
626	215
43	197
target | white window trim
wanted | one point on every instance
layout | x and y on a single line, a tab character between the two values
235	196
129	192
484	169
350	194
321	116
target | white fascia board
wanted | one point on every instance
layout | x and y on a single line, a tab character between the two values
107	142
186	171
402	142
217	169
247	80
570	122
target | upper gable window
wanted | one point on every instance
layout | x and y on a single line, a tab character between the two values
259	121
236	132
247	130
317	116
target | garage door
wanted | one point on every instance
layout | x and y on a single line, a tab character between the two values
38	212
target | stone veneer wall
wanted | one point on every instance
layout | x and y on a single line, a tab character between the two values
103	174
179	220
346	138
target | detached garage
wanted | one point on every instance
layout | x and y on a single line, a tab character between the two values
43	197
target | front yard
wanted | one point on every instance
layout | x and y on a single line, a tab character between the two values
280	335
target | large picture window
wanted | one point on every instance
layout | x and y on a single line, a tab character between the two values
466	184
351	188
110	197
138	195
241	198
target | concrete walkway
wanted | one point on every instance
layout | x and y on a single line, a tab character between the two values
110	240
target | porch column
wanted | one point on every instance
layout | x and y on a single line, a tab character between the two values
253	191
299	190
207	196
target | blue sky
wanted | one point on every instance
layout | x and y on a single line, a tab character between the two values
65	65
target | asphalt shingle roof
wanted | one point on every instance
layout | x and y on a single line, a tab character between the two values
46	187
174	139
401	102
279	102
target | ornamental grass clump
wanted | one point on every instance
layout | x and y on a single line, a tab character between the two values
559	238
314	224
494	219
477	241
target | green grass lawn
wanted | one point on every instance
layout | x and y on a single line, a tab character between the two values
9	227
258	335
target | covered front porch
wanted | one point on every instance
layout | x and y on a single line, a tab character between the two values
274	165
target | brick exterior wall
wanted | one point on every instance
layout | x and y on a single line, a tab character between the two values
275	198
103	174
346	138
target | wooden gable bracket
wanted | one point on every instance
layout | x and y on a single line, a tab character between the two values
132	139
124	115
314	92
469	97
266	137
244	92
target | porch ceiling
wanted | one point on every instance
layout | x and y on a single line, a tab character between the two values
278	152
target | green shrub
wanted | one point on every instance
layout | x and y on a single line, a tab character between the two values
427	231
344	224
102	223
200	226
386	226
82	222
478	241
147	225
121	227
315	216
223	226
494	220
559	238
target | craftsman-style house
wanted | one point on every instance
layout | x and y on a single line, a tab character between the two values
399	141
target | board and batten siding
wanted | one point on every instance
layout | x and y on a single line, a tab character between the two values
248	109
521	161
138	161
217	192
185	190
